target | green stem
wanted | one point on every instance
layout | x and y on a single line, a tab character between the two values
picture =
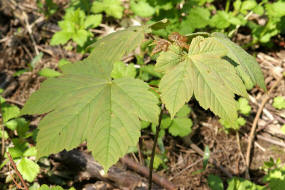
228	5
153	149
3	131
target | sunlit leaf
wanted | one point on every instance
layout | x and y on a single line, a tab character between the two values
246	65
85	104
28	169
204	73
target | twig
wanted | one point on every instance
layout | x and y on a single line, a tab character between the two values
255	143
4	39
212	160
14	180
145	171
270	141
14	102
259	146
239	147
24	17
17	171
140	151
134	156
97	31
252	132
153	149
29	29
265	111
187	168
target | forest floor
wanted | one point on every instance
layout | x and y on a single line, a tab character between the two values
18	48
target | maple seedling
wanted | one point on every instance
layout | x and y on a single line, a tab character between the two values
86	104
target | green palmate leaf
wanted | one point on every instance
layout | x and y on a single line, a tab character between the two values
204	73
215	80
85	104
247	67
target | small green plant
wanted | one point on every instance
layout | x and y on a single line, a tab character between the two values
244	109
275	174
274	25
75	27
192	17
279	102
21	150
196	15
215	183
274	179
86	103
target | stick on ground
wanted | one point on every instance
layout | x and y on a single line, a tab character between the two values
145	172
252	132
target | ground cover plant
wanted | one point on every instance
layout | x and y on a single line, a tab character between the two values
150	91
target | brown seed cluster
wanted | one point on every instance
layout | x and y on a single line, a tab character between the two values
175	37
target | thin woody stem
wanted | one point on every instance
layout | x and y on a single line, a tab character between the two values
153	149
17	171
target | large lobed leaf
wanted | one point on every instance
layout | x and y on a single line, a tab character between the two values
204	73
247	66
85	104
